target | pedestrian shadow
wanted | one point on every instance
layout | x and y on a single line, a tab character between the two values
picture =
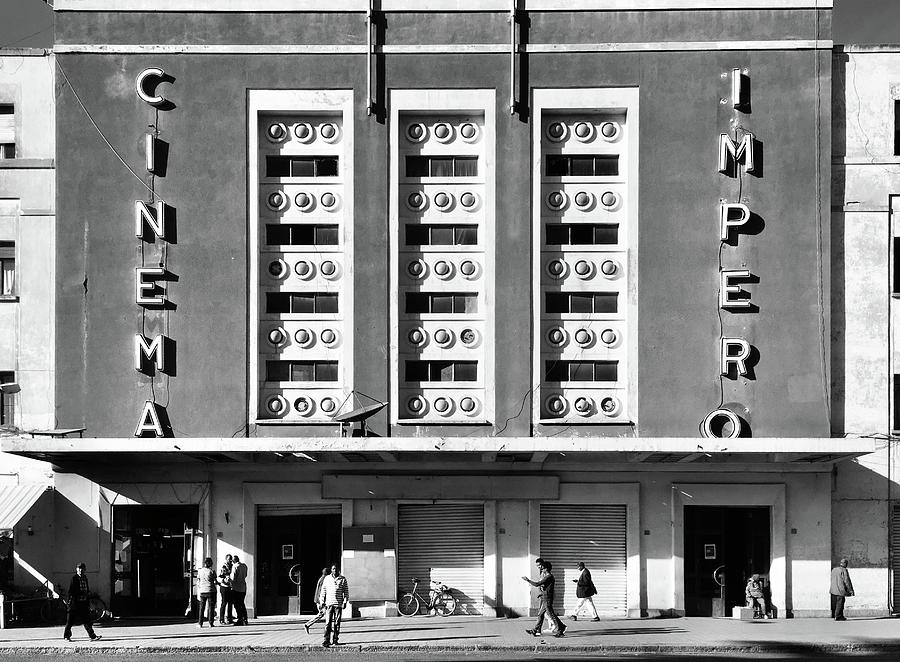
422	641
623	631
401	629
243	634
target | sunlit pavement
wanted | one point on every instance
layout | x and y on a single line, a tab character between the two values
795	638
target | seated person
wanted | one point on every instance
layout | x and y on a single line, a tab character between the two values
756	597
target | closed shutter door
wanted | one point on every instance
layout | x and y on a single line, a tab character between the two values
895	556
289	509
444	543
595	536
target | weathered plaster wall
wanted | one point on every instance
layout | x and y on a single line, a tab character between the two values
681	119
866	187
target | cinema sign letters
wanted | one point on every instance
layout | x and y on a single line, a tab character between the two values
735	352
150	219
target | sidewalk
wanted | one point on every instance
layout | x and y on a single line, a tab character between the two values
469	633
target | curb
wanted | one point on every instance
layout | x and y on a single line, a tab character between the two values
770	648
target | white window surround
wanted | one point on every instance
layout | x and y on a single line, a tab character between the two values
455	102
300	102
577	101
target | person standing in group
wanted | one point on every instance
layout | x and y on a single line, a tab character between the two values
320	608
841	588
239	590
545	585
584	591
206	590
335	594
78	604
226	607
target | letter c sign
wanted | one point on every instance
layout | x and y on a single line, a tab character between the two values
145	85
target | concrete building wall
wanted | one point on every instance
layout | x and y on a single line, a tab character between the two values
865	217
679	192
512	532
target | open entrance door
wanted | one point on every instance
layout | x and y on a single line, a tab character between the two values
723	546
153	553
288	536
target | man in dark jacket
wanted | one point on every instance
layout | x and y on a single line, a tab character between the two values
78	605
841	587
545	585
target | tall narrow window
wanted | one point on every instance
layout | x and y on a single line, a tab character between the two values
897	127
7	131
7	268
442	179
7	400
584	230
896	423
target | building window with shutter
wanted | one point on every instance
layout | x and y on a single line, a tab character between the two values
7	269
7	400
7	131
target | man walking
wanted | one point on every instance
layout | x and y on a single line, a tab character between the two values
545	585
239	590
584	591
320	608
78	604
335	595
841	587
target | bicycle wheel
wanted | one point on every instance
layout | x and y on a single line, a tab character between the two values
96	609
444	604
408	605
50	611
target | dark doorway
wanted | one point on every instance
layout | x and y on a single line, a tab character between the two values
735	539
283	541
152	559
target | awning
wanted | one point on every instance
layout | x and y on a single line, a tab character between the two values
15	501
627	453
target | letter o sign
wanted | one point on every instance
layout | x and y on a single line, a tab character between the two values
715	424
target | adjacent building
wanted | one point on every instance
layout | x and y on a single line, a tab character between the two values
563	270
27	324
865	231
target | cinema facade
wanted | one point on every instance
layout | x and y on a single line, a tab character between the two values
580	249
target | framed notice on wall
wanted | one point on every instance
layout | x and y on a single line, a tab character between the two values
709	551
287	552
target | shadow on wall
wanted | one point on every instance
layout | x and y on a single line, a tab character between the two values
838	193
62	536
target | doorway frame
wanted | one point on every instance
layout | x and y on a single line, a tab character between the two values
255	494
730	494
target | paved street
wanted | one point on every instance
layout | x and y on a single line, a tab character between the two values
510	656
455	636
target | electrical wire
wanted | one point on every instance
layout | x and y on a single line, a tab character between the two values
99	131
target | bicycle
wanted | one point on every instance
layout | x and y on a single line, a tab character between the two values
56	608
440	599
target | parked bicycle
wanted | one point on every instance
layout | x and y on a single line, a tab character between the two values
439	599
55	607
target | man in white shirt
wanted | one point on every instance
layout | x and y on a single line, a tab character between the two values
335	595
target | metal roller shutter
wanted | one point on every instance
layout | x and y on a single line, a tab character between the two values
445	543
594	535
290	509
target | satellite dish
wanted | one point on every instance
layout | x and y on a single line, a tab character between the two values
360	413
